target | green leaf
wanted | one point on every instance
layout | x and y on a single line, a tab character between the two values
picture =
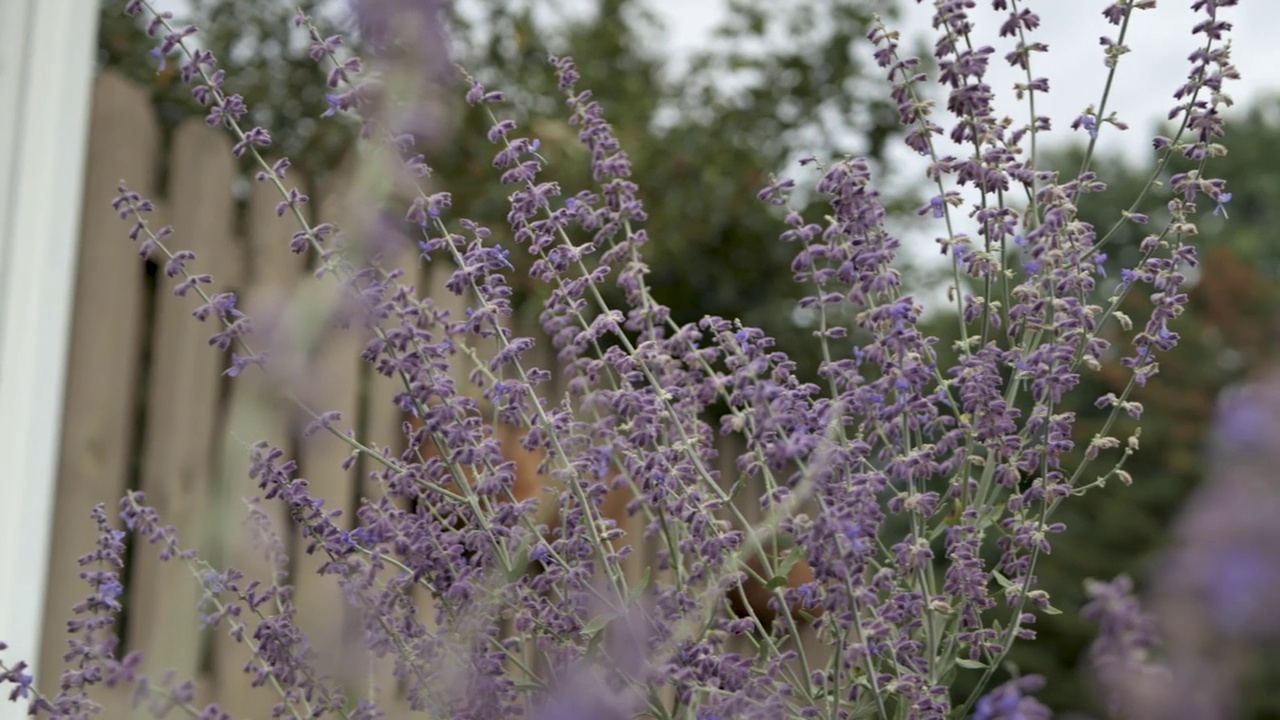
525	685
790	559
1001	580
596	624
776	582
968	664
594	630
520	564
1050	610
639	587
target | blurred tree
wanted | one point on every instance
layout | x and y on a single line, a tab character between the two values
778	83
1227	332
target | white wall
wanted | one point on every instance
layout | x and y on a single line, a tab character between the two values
47	50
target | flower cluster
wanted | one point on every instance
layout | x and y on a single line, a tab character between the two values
903	498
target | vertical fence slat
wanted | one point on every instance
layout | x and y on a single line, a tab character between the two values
255	413
101	392
334	386
182	402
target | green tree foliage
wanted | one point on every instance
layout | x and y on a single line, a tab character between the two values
1227	333
779	83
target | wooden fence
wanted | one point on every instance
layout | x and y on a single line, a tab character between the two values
148	406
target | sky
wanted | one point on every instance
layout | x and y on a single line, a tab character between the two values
1160	39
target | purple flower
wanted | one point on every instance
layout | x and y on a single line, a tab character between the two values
1011	701
159	56
915	494
335	103
18	678
1220	208
540	553
1243	578
1089	123
936	207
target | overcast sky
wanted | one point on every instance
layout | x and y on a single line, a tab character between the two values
1161	40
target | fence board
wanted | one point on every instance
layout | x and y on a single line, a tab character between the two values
183	402
334	385
255	413
98	422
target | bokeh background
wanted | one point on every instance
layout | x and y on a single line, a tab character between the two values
710	97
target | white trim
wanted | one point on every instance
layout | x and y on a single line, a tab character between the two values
47	56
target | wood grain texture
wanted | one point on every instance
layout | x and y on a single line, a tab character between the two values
183	403
255	413
333	384
98	436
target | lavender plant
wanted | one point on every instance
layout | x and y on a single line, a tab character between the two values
921	495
